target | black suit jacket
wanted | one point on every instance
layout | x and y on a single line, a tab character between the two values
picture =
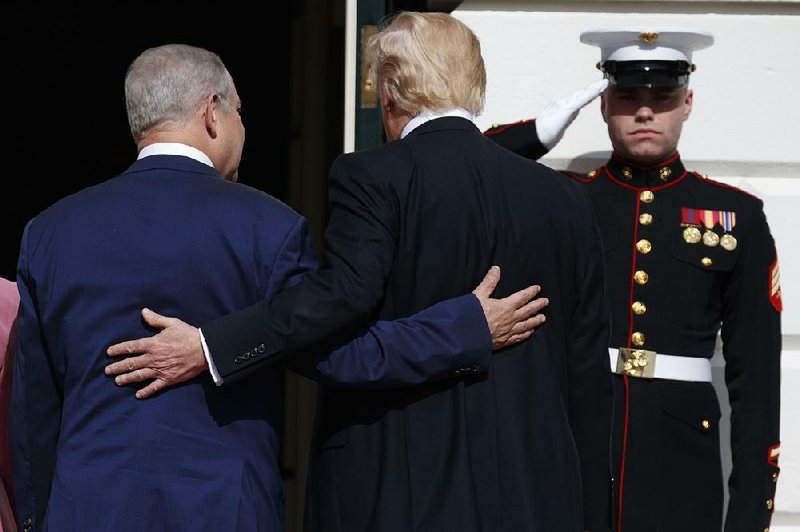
522	447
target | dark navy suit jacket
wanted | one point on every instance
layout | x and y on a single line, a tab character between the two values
170	234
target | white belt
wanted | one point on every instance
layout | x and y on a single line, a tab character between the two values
646	364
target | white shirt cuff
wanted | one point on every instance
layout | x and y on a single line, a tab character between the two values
211	366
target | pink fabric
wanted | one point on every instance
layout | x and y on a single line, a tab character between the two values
9	302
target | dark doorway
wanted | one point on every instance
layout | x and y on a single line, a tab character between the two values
63	70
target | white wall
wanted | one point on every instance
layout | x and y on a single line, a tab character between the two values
744	130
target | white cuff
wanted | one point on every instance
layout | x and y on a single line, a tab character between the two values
211	366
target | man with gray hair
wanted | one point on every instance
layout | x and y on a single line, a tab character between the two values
175	232
522	447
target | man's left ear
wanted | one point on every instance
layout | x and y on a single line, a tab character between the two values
687	104
387	103
210	114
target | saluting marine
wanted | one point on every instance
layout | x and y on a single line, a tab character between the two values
687	258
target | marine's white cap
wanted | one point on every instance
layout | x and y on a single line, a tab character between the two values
632	44
647	57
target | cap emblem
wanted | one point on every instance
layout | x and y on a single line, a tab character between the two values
648	37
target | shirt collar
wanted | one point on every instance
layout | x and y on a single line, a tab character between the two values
426	116
175	148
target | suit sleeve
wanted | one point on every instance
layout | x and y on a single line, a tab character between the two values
519	137
329	304
36	404
751	342
448	339
332	305
590	391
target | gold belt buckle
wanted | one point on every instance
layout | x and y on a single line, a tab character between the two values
639	363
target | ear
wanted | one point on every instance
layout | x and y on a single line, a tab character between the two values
209	110
687	104
387	103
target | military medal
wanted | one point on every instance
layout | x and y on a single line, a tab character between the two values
710	238
710	218
691	234
690	220
728	242
727	219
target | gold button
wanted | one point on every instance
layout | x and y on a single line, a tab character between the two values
591	173
706	424
705	261
774	478
645	218
493	126
641	277
627	173
664	173
647	196
769	504
638	339
639	308
644	246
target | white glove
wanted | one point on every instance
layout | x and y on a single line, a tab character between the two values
559	114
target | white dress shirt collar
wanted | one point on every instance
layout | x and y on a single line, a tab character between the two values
425	116
175	148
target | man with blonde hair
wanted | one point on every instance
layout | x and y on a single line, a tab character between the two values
523	446
175	232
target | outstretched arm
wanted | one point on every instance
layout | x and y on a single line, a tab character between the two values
534	138
452	335
558	115
448	339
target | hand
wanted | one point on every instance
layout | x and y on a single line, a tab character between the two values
511	319
172	356
559	114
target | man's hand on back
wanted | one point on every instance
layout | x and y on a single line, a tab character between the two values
172	356
513	318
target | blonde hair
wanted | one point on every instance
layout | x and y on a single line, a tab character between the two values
428	61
